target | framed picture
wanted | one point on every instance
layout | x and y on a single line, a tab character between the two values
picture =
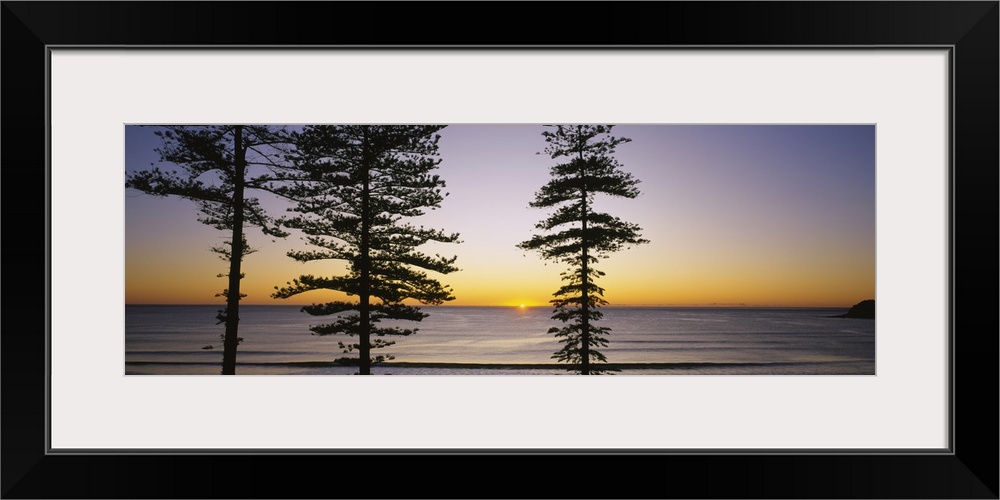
920	76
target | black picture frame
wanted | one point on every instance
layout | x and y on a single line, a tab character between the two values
969	28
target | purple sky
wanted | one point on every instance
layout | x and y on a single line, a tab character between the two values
735	214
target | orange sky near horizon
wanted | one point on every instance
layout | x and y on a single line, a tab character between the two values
634	277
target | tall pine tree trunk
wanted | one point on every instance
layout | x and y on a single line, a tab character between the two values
585	326
364	353
231	339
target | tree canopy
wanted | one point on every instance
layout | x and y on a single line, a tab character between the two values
219	165
578	235
355	189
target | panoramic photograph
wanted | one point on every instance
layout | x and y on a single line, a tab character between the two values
500	249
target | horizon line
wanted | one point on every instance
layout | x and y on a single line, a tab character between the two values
719	305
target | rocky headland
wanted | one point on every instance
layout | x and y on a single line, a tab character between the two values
864	310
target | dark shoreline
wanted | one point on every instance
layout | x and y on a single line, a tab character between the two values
488	366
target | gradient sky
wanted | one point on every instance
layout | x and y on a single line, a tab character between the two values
756	215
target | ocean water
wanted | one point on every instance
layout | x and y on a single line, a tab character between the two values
170	340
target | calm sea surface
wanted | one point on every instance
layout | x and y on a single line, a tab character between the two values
649	341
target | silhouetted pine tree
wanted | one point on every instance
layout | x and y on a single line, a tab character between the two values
354	186
216	163
577	235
